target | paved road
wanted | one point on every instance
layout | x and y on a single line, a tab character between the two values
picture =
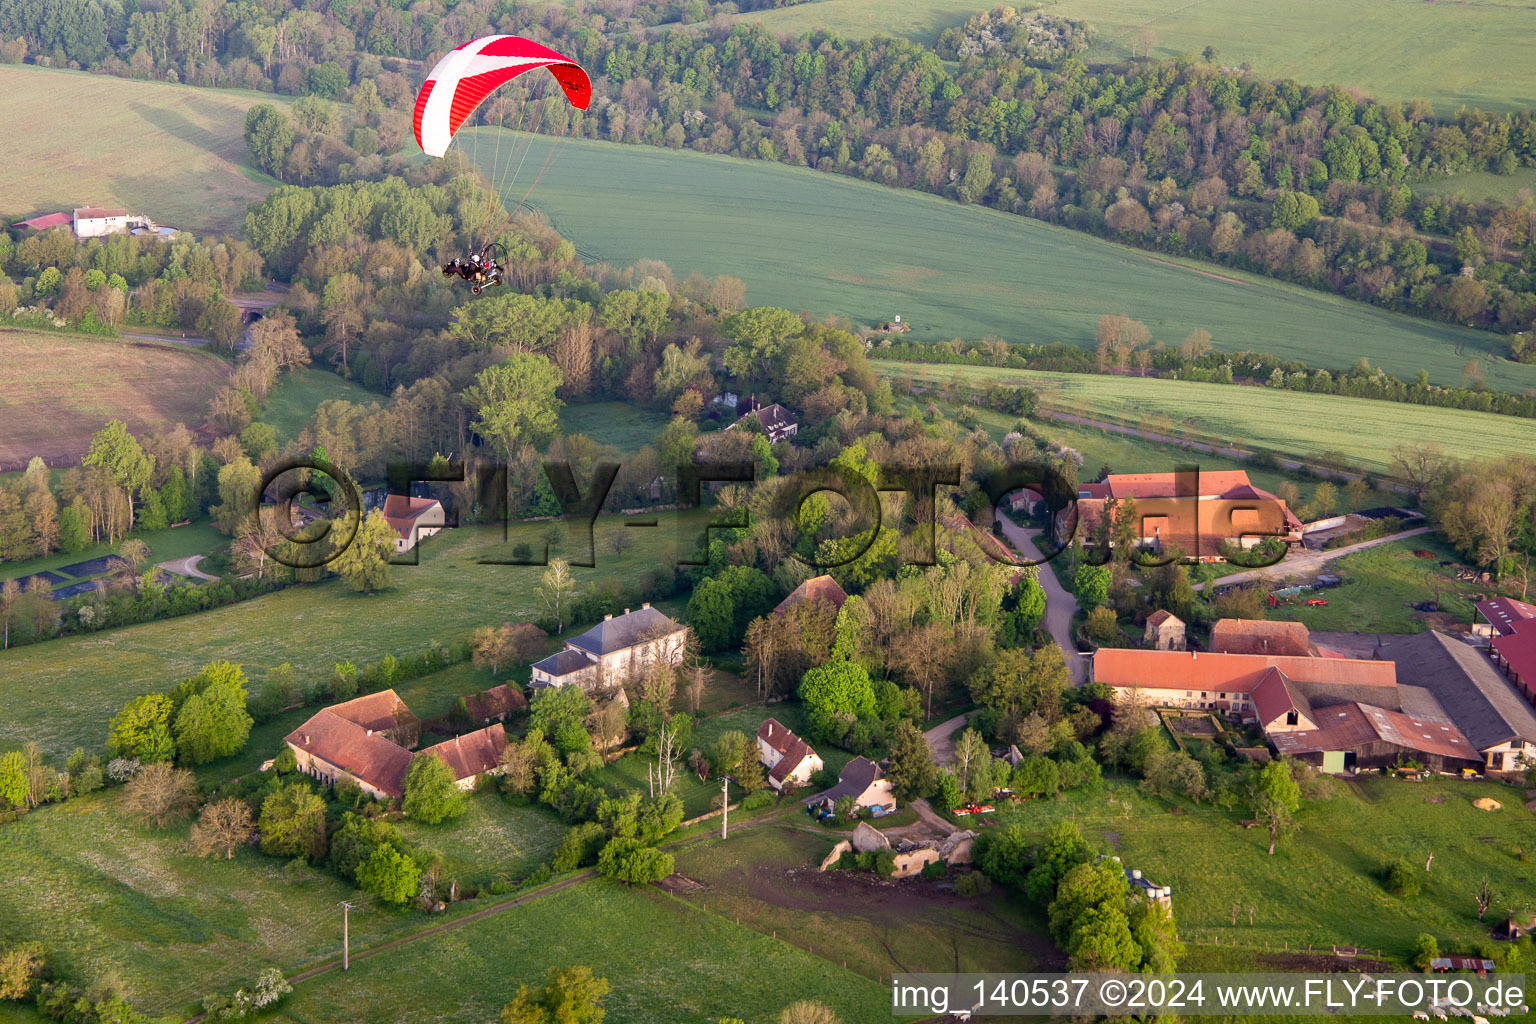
941	739
1308	561
1060	606
187	567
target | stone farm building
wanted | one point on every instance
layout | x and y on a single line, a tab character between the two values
1197	512
1335	712
789	759
613	652
412	519
1165	631
368	741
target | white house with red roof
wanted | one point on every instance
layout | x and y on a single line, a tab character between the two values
413	519
789	759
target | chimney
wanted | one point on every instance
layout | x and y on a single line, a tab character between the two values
645	604
607	617
370	732
306	739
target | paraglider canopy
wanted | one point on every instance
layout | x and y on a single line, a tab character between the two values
463	79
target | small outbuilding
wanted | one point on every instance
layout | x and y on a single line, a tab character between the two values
1165	632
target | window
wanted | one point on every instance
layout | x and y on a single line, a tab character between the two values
1292	718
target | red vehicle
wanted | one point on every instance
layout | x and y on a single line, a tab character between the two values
974	809
1316	602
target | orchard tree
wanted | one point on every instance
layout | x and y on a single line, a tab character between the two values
222	826
1275	799
160	793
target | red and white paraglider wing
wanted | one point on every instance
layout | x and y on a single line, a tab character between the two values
463	79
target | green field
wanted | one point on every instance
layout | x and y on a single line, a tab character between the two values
63	692
1381	586
1504	188
620	424
106	895
174	153
493	839
1288	422
293	402
1321	886
667	962
832	245
1449	53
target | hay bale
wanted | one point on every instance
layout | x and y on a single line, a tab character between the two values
1485	803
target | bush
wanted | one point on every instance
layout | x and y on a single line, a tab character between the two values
936	869
1401	879
1425	949
973	884
885	863
757	801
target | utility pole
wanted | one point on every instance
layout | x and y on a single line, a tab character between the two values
346	909
725	803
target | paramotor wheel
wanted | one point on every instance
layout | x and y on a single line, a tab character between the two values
474	289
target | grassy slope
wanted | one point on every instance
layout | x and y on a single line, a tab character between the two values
70	688
492	839
834	245
1505	188
106	894
1321	885
667	963
1286	421
620	424
175	153
1450	54
292	403
58	389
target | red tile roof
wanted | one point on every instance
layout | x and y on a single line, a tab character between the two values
46	221
1191	670
472	754
1350	725
1273	698
367	755
1165	485
401	512
498	700
1161	616
774	733
1257	636
1518	650
1503	613
380	711
817	588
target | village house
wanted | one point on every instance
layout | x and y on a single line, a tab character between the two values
613	652
777	422
1357	735
493	705
1165	632
473	755
412	519
95	222
789	759
1197	512
865	783
366	740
